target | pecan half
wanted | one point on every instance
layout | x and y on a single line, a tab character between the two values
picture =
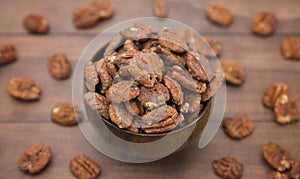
122	91
285	109
273	91
277	157
238	127
7	53
234	74
290	48
228	167
35	23
264	23
219	14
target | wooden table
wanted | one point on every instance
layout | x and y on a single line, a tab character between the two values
23	124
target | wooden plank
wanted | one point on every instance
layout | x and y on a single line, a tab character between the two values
190	163
59	14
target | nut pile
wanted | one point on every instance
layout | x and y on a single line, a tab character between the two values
278	98
149	82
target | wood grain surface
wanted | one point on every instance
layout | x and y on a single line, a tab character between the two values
23	124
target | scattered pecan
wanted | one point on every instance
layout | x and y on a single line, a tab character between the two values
238	127
24	88
7	53
105	8
228	167
160	8
277	157
277	175
215	45
85	16
219	14
285	109
35	23
273	91
63	114
83	167
290	48
59	66
264	23
234	74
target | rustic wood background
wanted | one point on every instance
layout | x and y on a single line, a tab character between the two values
23	124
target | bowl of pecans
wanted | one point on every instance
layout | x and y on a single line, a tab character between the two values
145	88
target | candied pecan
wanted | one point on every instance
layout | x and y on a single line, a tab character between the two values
290	48
277	175
35	23
105	8
191	102
219	14
98	103
238	127
273	91
234	74
277	157
195	67
7	53
85	16
63	114
59	66
174	89
153	97
120	116
172	41
264	23
228	167
160	8
286	110
130	45
83	167
35	158
124	58
90	76
24	88
105	78
215	45
295	171
170	58
185	79
161	119
137	31
153	42
122	91
134	107
115	43
110	65
146	69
